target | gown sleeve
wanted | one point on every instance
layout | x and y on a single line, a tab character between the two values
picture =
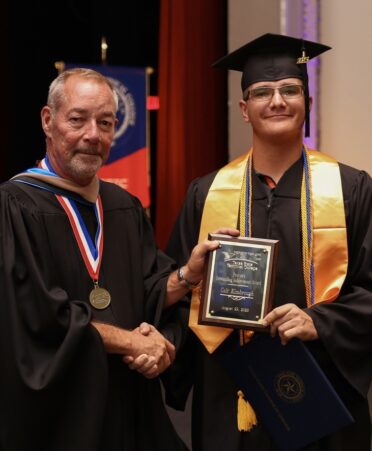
178	379
46	340
43	327
185	232
156	268
345	325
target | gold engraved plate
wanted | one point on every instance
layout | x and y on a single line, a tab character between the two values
99	298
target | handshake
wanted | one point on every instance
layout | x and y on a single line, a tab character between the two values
152	352
144	349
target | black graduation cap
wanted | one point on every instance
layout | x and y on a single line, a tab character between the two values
272	57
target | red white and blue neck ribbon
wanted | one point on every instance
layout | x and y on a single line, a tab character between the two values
90	252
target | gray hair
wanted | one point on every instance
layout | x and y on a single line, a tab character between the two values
56	88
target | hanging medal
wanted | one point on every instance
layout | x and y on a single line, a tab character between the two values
91	252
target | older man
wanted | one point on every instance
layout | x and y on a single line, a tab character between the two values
79	274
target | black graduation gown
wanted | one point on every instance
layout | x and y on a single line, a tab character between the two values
345	326
60	391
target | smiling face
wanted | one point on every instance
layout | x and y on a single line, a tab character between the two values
80	130
277	117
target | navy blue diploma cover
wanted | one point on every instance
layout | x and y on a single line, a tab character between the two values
288	390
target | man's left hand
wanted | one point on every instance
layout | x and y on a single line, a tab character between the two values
145	364
194	268
289	321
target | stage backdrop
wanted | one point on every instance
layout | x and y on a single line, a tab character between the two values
128	165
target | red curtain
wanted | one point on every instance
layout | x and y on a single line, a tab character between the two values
192	116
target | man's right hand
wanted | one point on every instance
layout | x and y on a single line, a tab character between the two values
144	347
152	352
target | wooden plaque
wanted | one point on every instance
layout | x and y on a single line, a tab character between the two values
238	284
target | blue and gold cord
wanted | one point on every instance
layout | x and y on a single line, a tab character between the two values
307	230
245	222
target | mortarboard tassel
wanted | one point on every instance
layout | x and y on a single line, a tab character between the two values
246	415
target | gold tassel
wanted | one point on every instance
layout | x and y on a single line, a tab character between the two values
246	415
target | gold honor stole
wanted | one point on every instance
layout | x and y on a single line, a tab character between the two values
329	243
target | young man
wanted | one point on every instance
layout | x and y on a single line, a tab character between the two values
320	211
79	274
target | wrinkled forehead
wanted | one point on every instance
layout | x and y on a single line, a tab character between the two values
84	92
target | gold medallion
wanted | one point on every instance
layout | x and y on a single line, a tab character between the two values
99	298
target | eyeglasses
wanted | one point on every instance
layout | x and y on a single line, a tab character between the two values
265	93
